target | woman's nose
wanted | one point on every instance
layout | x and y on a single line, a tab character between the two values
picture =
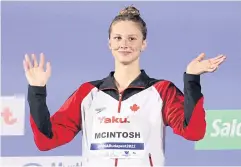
124	43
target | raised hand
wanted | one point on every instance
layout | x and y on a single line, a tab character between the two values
199	65
35	73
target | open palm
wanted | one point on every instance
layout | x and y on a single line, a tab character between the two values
35	73
199	65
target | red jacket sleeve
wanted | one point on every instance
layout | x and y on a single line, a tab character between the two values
184	113
62	127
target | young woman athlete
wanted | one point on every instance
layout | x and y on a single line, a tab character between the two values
123	116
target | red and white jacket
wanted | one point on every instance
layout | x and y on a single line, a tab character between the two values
147	106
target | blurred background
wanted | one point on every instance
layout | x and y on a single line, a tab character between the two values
74	35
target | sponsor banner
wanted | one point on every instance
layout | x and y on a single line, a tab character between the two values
223	131
12	115
38	161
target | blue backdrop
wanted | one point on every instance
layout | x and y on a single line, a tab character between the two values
73	35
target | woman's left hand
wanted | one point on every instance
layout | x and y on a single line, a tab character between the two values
199	66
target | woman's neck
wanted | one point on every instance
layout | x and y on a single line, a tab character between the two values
125	74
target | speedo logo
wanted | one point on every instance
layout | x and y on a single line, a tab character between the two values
114	119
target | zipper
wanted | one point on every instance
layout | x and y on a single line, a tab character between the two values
119	109
150	160
119	105
116	162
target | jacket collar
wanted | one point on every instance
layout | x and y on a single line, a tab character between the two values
140	82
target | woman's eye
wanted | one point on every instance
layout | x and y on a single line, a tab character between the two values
118	38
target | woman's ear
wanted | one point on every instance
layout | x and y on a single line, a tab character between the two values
144	45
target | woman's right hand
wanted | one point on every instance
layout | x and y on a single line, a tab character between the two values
35	73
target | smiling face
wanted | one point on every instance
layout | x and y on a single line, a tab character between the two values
126	41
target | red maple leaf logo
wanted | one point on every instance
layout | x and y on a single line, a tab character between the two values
134	108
